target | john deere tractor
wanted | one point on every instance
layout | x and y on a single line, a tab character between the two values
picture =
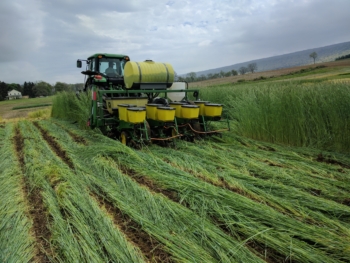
139	102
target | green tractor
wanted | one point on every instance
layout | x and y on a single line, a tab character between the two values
139	102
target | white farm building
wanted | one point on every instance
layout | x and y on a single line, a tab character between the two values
14	94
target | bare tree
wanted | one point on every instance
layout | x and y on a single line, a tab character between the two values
313	55
243	70
252	67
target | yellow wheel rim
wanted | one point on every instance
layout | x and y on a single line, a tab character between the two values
123	138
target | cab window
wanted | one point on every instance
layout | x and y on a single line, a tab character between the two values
108	65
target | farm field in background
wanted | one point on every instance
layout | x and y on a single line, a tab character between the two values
25	106
322	71
68	194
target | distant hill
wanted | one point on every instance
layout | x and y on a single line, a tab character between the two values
299	58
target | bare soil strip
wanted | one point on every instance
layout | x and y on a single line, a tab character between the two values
323	159
37	210
273	164
150	247
55	146
151	185
346	202
266	253
266	148
19	145
75	137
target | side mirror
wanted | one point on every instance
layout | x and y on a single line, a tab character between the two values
78	63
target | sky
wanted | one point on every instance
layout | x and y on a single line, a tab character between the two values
42	39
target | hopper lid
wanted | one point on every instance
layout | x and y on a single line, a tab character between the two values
190	106
166	108
137	109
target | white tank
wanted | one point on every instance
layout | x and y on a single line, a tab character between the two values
177	96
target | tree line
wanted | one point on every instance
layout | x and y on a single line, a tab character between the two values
192	76
342	57
37	89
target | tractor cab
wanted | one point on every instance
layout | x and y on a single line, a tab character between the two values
104	69
111	67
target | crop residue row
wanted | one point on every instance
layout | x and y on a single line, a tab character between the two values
150	247
37	210
55	146
75	137
264	252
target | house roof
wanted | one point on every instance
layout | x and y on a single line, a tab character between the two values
13	90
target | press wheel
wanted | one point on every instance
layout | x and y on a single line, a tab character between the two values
173	132
124	138
197	127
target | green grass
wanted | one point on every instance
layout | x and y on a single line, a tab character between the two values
300	113
80	230
16	241
293	207
45	113
233	199
67	106
194	240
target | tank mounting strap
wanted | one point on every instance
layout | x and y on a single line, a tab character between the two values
140	71
167	73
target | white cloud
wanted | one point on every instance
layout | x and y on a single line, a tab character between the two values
204	43
21	29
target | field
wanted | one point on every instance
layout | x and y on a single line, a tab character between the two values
73	195
25	106
326	71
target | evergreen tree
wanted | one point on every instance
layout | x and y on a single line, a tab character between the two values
25	89
31	89
28	89
3	90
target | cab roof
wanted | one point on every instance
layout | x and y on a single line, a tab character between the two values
107	55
